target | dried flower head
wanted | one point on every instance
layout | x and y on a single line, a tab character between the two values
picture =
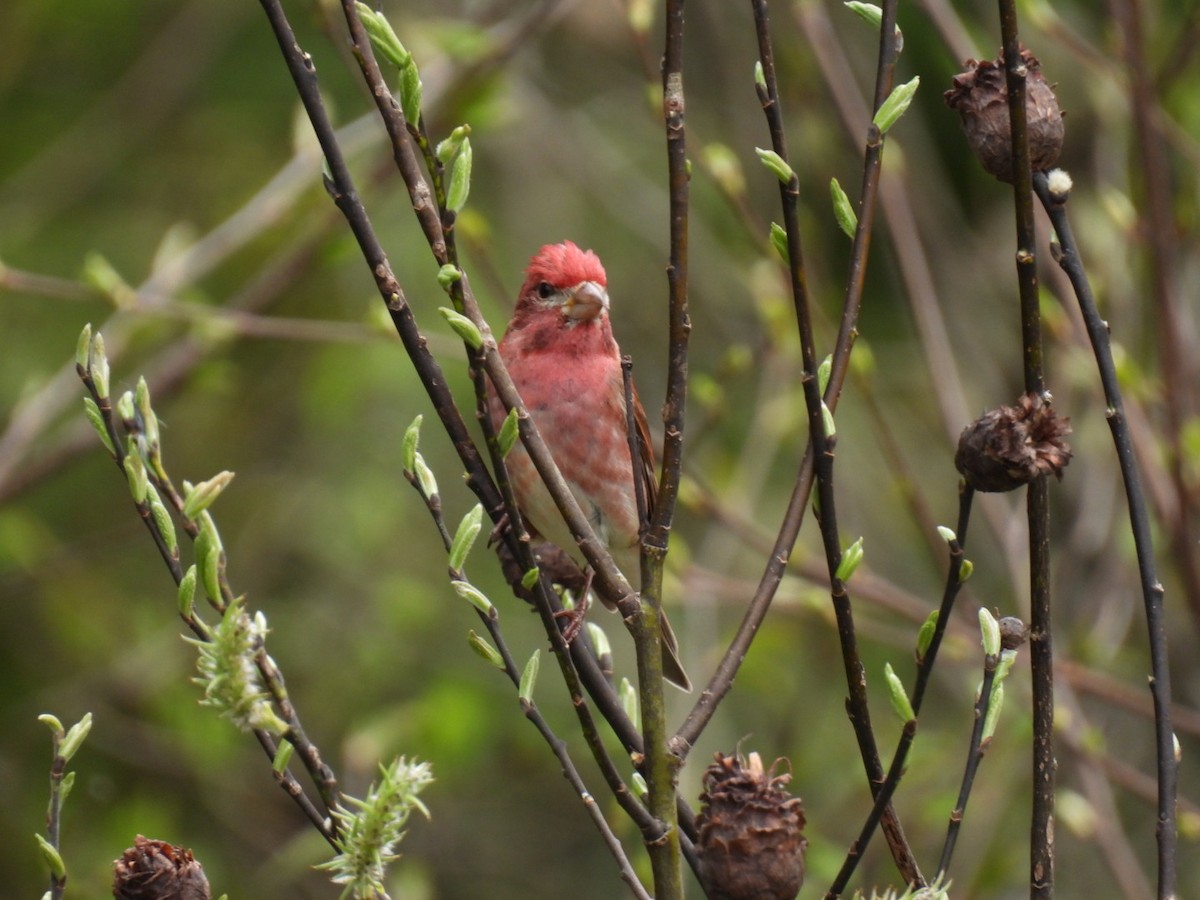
1013	633
980	94
751	832
156	870
1012	445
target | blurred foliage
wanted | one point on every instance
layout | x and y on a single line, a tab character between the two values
167	139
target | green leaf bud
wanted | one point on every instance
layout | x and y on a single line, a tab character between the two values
843	210
149	421
125	411
76	735
485	650
850	559
777	164
779	240
383	37
449	148
897	694
135	471
283	756
824	370
447	276
83	350
628	696
410	92
98	367
895	105
187	593
163	523
947	533
925	635
989	629
463	327
460	179
426	480
55	725
506	437
965	568
530	578
475	597
96	418
529	677
52	858
869	12
203	495
995	704
408	447
464	537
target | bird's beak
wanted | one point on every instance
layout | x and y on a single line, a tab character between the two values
586	301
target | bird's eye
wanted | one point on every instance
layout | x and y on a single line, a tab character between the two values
545	290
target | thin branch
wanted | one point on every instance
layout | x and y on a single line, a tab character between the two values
1041	849
1139	524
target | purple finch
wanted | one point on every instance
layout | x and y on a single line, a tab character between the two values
560	352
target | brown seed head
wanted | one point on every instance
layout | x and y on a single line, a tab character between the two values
1013	633
1012	445
751	832
980	94
156	870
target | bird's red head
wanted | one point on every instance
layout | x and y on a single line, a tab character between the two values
563	284
564	265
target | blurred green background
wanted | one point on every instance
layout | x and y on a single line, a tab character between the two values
164	144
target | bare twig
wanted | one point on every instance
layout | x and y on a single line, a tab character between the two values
1139	524
1038	510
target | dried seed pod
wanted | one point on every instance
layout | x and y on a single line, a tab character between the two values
1012	445
156	870
980	94
751	832
1013	633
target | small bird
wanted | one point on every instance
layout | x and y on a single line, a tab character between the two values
559	350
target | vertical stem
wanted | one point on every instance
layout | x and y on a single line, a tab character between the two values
1038	508
1139	525
661	766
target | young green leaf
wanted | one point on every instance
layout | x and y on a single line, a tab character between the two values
869	12
506	437
464	537
408	446
94	416
529	677
925	635
83	350
777	164
779	241
896	693
475	597
383	37
463	327
485	650
410	92
989	630
449	148
203	495
895	105
851	557
843	210
460	178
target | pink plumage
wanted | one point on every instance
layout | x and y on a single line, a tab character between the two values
560	352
